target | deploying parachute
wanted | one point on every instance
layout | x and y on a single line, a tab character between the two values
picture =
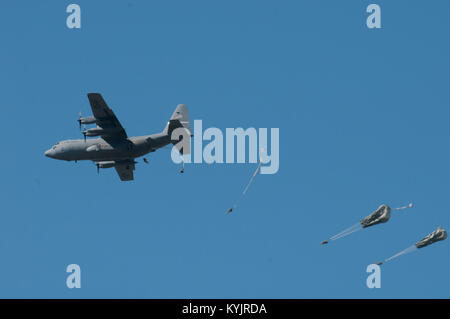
438	235
381	215
235	205
245	189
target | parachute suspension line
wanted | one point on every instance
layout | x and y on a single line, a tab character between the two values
403	252
348	231
410	205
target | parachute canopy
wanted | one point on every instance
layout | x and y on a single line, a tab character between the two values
381	215
438	235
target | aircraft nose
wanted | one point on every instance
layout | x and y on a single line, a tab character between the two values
48	153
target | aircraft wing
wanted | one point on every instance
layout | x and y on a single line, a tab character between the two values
125	170
105	117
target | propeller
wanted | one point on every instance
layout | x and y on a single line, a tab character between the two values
145	161
79	119
84	133
98	169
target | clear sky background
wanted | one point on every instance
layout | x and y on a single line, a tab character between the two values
363	117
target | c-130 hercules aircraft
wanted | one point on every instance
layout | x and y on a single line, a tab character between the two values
114	148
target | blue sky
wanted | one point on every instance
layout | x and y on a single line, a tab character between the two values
363	118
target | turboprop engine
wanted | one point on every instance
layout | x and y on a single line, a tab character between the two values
86	120
96	131
106	164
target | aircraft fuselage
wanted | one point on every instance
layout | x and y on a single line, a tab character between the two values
105	149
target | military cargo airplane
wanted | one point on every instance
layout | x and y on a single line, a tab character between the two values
114	148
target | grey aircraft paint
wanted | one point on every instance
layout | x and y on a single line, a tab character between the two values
114	148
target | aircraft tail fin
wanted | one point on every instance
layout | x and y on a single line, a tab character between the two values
179	119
